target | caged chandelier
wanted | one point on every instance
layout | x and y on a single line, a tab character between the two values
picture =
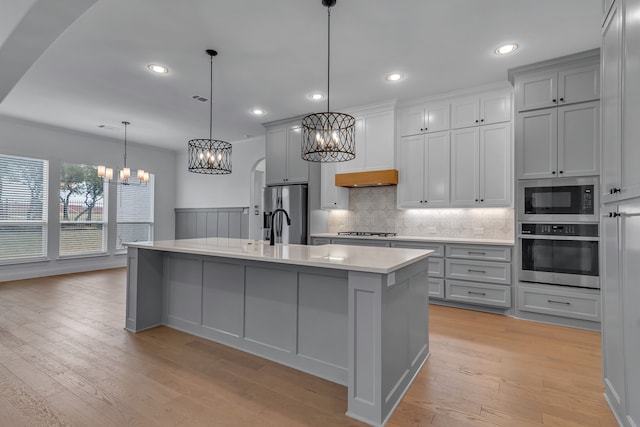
328	137
210	156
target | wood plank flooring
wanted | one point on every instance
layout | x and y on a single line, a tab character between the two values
65	360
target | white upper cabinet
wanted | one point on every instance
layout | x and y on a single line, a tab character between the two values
424	118
423	163
557	142
284	164
481	166
550	88
375	141
484	109
332	197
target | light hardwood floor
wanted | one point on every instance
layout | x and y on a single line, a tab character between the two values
66	360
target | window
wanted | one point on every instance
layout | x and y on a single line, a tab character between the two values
83	216
135	211
23	208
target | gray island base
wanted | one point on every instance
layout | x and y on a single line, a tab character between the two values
357	316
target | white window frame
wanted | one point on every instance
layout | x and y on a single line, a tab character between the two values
123	249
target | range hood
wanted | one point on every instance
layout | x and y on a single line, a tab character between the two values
367	179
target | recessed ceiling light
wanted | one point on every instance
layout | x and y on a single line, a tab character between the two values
316	96
394	77
158	69
258	112
505	49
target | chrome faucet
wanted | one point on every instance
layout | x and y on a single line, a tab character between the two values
273	216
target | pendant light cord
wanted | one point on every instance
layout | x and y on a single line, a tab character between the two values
211	97
328	54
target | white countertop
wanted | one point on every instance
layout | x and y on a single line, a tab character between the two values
340	257
424	239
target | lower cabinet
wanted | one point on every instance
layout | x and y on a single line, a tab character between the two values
559	301
476	293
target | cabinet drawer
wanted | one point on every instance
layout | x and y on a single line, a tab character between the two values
436	287
559	303
489	253
436	267
438	249
479	271
475	293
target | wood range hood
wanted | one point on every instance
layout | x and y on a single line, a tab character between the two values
367	179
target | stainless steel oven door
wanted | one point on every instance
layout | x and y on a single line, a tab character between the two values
559	261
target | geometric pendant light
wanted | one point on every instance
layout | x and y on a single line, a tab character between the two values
328	136
209	156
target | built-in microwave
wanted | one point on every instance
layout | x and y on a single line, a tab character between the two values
559	200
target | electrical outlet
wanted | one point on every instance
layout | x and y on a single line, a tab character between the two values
478	231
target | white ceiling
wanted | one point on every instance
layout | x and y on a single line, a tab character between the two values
271	55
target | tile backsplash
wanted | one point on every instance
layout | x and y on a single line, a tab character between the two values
374	209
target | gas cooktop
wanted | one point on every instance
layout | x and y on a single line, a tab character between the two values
366	233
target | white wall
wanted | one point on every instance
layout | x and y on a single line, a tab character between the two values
24	138
219	191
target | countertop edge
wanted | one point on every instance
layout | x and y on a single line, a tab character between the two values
444	240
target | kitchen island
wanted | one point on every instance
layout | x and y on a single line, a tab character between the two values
354	315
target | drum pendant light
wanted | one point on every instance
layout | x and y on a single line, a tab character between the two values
210	156
330	136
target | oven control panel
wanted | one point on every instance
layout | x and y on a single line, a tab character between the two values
586	230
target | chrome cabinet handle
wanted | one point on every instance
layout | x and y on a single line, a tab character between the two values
558	302
476	271
476	253
476	293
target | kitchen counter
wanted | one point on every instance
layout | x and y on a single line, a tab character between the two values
342	257
464	240
353	315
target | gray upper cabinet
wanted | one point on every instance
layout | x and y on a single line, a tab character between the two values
284	164
558	86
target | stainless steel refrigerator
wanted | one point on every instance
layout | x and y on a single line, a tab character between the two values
293	199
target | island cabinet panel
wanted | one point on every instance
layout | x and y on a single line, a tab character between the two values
271	308
184	290
322	316
144	278
223	297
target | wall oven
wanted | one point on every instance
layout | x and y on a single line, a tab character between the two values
559	200
559	254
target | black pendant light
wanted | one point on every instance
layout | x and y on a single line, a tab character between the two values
210	156
328	137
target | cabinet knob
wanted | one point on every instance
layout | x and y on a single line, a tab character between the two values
482	120
561	99
476	121
561	171
554	100
614	190
421	129
614	214
482	200
476	200
553	173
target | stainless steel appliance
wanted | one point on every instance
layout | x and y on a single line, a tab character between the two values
558	200
559	254
293	199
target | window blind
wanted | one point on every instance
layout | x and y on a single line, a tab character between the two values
83	214
135	211
23	208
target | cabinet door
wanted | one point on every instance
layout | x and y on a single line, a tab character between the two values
536	90
495	165
411	120
464	167
630	184
411	161
357	164
436	170
465	112
579	139
495	108
537	144
630	250
436	117
579	84
612	320
610	104
379	131
332	197
297	169
276	156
